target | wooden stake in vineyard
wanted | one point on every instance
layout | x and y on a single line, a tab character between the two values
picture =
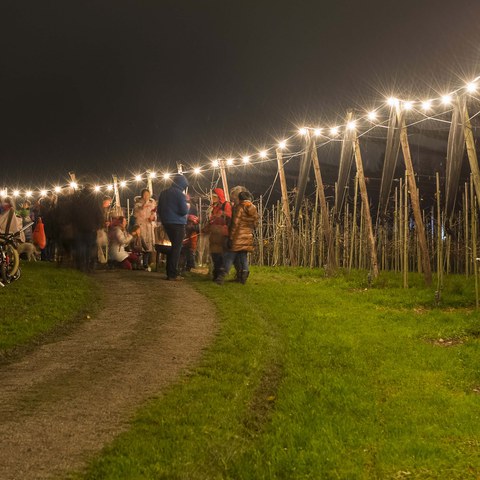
415	201
472	155
223	174
327	232
366	206
286	209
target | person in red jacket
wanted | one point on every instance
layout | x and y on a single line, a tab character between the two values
217	227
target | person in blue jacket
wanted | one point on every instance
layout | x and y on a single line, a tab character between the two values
173	211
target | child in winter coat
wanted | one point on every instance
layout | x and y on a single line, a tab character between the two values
217	227
240	240
139	247
119	238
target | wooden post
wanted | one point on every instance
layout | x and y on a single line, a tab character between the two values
260	231
396	256
366	205
415	201
439	238
323	206
354	224
405	233
474	239
149	182
467	235
286	209
223	175
117	192
472	155
314	233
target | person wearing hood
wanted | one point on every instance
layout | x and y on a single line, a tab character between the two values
217	227
173	211
241	239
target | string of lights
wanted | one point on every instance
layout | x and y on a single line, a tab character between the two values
365	122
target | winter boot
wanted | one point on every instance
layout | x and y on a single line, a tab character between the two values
238	276
220	277
243	277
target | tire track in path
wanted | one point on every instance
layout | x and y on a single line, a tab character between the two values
65	400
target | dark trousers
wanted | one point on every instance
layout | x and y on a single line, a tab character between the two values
85	250
217	259
176	234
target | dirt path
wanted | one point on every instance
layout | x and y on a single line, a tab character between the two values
62	402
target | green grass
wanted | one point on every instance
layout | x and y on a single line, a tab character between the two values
322	378
44	298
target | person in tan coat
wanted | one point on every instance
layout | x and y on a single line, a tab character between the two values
241	240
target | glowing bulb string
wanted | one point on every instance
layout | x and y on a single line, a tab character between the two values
334	135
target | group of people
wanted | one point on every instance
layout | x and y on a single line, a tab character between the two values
92	231
230	227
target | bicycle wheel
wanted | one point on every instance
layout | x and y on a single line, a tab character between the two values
13	261
3	272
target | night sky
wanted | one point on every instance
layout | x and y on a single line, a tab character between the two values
118	86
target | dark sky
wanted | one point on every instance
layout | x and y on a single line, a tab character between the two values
112	86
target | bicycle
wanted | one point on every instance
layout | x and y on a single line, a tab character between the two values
9	257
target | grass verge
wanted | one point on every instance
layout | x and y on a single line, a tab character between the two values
314	377
44	299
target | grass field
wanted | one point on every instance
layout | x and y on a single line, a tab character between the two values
314	377
43	299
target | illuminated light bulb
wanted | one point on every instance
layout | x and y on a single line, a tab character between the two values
138	178
426	105
196	171
29	193
73	185
447	99
166	176
352	125
57	189
246	159
318	132
16	193
282	144
43	193
471	87
334	131
123	183
372	115
109	188
393	102
303	131
263	154
153	175
215	163
3	193
229	161
407	105
96	188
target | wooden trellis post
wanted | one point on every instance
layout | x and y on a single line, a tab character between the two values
354	225
116	192
323	206
366	205
149	182
223	175
286	209
474	240
472	155
415	201
260	231
439	238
